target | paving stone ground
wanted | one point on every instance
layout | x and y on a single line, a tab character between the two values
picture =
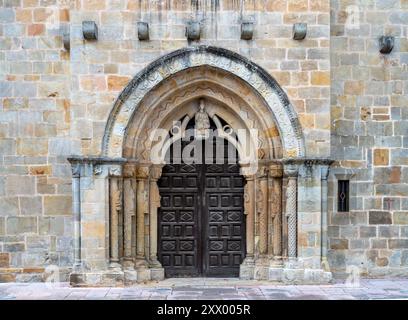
212	289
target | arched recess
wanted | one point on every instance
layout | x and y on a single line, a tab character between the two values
260	97
234	89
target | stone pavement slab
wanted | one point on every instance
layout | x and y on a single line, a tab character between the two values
211	289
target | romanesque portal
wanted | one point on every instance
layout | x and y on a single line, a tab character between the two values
164	214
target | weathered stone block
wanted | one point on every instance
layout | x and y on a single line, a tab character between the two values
339	244
14	247
20	185
368	232
380	217
400	217
4	260
381	157
7	277
58	205
398	243
388	231
31	205
19	225
9	206
2	226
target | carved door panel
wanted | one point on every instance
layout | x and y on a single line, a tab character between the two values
224	220
201	218
178	237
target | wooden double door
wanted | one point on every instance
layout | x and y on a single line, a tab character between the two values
201	220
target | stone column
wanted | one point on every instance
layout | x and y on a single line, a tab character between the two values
115	197
155	173
142	173
275	211
324	176
291	171
262	209
248	265
129	208
76	209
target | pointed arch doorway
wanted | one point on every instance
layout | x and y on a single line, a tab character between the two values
201	221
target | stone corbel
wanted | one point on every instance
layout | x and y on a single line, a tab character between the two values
89	30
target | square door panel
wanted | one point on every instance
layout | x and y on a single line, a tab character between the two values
189	201
177	182
225	201
225	182
211	182
237	201
213	201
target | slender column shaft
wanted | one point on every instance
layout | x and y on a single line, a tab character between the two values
291	212
250	215
263	216
153	220
76	208
154	197
115	204
325	172
140	212
129	210
276	212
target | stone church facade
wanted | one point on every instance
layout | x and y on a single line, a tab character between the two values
312	97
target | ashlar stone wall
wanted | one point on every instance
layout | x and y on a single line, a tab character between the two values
369	111
35	126
55	102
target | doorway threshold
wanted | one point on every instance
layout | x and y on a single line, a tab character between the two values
213	282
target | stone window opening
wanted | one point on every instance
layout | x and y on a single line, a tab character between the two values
343	196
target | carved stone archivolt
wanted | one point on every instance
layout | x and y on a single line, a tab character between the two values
222	59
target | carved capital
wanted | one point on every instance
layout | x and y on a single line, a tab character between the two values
115	171
275	171
98	169
291	170
262	172
325	171
156	172
129	170
142	172
76	170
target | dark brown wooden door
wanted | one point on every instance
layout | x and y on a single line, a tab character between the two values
201	219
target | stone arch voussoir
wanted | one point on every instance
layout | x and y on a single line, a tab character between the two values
256	77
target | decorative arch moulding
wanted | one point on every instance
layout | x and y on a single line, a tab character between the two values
253	75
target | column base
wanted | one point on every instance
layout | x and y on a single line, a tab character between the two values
108	278
261	268
115	277
247	269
